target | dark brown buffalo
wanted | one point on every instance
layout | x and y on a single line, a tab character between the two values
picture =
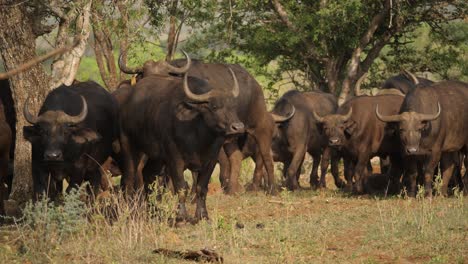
5	145
359	136
404	82
10	115
247	149
433	120
301	134
71	136
182	122
250	109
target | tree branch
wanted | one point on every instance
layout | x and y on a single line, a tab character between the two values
356	55
283	15
36	60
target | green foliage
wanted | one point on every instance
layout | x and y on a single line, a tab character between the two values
442	51
323	34
192	13
46	224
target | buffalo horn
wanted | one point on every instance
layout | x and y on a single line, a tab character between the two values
390	118
27	114
358	84
411	77
317	117
430	117
182	70
78	118
280	119
348	115
123	65
235	88
195	97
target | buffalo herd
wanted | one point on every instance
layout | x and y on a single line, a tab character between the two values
188	114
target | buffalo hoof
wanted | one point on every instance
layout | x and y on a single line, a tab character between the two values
201	215
348	188
340	184
272	191
234	189
252	187
358	189
292	186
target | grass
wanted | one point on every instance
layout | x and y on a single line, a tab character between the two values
306	226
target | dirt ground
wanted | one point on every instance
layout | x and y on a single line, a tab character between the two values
324	226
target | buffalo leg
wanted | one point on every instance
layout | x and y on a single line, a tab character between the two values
264	146
348	173
326	155
130	161
3	181
465	177
410	176
447	166
385	164
334	160
394	172
258	173
176	171
314	178
431	163
235	161
224	168
359	172
294	166
202	190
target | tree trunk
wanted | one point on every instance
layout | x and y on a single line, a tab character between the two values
171	36
17	45
331	74
65	68
103	49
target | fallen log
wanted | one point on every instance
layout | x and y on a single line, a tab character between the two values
203	255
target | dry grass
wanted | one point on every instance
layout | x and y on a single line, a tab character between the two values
301	227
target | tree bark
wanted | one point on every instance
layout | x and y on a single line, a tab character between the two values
354	63
172	35
65	68
17	45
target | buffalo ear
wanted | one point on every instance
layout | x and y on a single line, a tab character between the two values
85	135
320	127
391	129
425	125
350	127
187	111
30	133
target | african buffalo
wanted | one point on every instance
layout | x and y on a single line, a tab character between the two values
247	148
250	108
301	134
183	122
433	121
404	82
10	117
71	136
5	145
359	136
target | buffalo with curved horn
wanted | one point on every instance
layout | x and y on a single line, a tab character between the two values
71	136
180	123
429	132
358	136
153	67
